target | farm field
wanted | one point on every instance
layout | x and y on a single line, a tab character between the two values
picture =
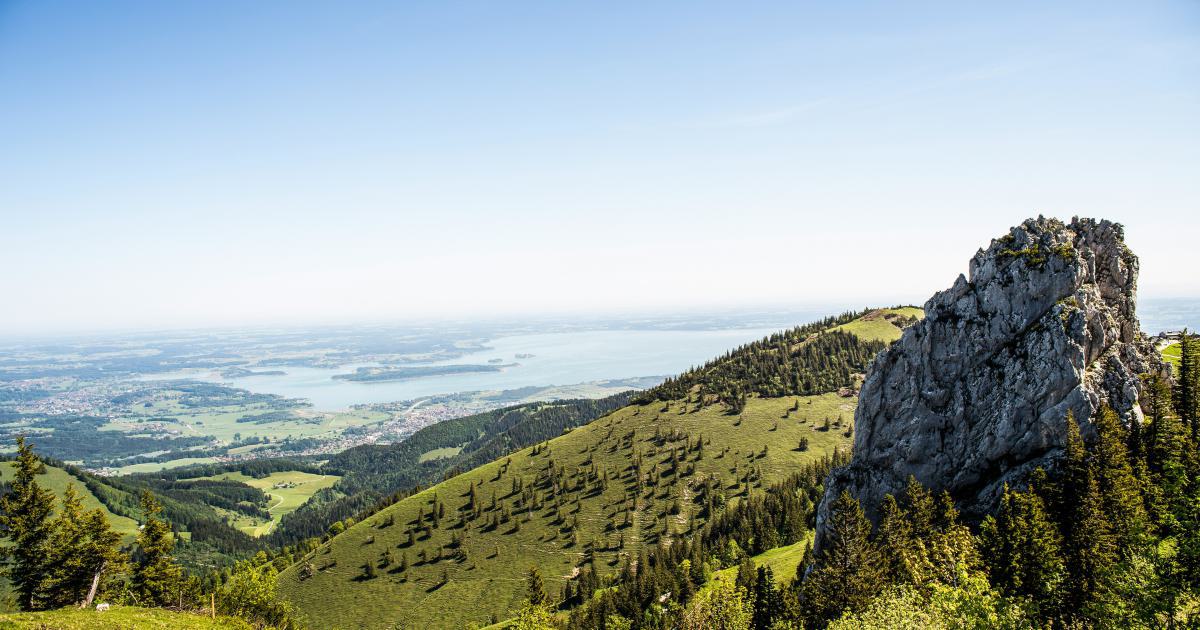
439	453
222	423
286	491
478	563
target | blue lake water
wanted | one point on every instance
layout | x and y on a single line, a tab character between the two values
558	359
573	357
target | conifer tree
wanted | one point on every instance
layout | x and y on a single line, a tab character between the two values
1088	539
25	513
84	552
156	576
1161	438
920	508
746	575
895	540
1187	384
1022	547
535	587
1119	493
847	573
768	601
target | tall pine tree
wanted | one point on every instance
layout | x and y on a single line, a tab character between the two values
1089	543
25	515
156	577
1187	384
847	573
1022	546
1119	488
84	551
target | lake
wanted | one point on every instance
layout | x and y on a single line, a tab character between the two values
558	359
568	358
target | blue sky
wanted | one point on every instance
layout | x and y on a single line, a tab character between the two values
211	163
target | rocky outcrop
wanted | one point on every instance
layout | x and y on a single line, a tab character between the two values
976	394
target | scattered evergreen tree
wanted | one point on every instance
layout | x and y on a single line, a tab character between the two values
85	553
25	514
1120	497
535	588
847	572
768	601
156	576
1089	544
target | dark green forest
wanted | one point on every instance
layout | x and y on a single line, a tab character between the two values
802	361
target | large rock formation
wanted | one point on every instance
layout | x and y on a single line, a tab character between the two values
976	394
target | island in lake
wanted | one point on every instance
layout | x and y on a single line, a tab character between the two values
238	372
380	374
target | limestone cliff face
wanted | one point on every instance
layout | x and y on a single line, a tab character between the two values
975	395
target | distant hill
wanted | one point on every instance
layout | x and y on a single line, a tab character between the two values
56	480
202	511
806	360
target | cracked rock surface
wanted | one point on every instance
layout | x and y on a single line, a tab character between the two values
976	394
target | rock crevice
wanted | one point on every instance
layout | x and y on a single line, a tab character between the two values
975	395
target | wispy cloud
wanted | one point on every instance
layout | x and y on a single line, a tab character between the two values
762	118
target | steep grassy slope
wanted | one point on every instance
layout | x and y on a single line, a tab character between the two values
554	504
56	479
371	472
118	618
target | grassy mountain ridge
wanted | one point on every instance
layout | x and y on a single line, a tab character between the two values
641	476
632	478
809	359
370	473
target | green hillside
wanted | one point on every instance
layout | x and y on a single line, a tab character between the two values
119	618
818	357
783	562
371	472
285	490
1172	354
884	324
633	478
56	479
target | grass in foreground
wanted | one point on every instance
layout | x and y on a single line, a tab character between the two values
448	584
118	618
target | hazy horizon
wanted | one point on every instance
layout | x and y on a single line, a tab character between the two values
170	166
